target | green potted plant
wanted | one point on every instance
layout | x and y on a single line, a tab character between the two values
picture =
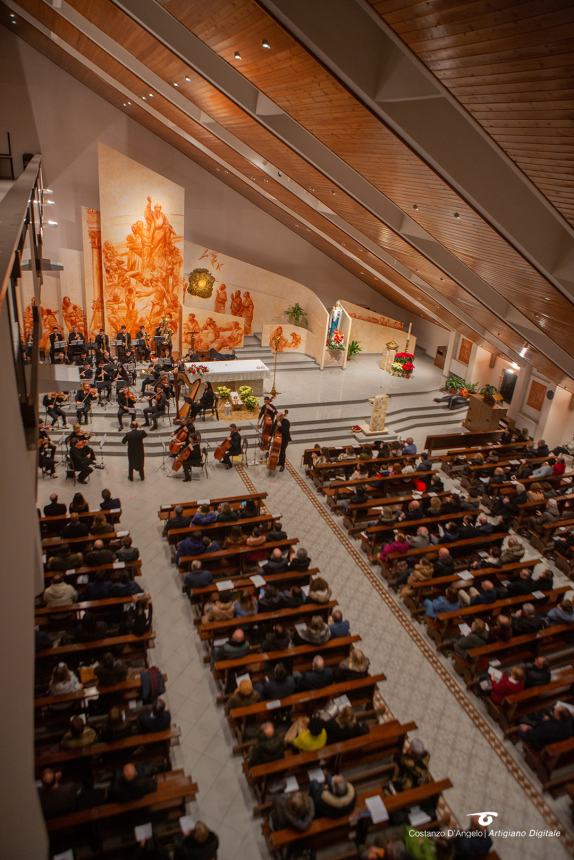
296	315
223	392
488	393
354	349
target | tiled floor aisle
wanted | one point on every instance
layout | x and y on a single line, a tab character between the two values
417	685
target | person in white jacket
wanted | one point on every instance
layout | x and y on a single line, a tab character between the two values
60	592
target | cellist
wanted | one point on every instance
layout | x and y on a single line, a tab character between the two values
190	455
234	448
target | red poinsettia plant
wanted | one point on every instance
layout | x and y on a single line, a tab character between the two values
197	369
403	364
337	340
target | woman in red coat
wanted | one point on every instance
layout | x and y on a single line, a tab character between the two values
507	685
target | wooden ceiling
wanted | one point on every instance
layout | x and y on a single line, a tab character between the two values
510	63
307	92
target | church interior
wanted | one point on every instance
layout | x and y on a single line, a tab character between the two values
315	259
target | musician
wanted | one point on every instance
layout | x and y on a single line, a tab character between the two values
126	404
80	456
205	402
156	407
123	341
136	453
86	371
102	342
57	345
84	397
47	452
267	408
194	458
162	338
76	343
282	426
103	382
235	447
142	349
53	403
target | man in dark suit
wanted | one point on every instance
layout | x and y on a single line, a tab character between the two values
75	528
283	426
136	453
99	555
55	508
318	676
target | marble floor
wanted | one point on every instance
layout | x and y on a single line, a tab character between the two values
465	745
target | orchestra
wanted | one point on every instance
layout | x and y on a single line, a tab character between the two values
57	345
157	406
126	404
84	397
76	344
230	447
53	404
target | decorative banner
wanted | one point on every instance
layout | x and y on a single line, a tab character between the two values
464	350
210	330
284	338
142	244
536	395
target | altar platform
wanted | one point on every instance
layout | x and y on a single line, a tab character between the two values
239	371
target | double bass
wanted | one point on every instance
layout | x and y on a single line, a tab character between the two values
274	450
267	428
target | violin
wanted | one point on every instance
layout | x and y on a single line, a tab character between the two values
62	396
87	389
130	395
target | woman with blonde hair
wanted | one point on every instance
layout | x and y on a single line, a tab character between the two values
356	665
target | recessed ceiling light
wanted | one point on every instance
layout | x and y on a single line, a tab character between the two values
144	98
53	223
265	44
175	83
150	95
237	55
50	202
129	103
187	78
47	191
415	205
514	365
456	215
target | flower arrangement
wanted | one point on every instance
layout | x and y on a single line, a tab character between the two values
403	365
336	342
490	394
223	392
247	397
197	369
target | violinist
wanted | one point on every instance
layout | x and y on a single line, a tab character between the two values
126	404
191	455
53	403
84	397
156	407
57	345
282	426
234	448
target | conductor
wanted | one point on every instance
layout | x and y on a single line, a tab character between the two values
136	454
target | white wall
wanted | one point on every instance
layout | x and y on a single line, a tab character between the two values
22	833
49	111
430	336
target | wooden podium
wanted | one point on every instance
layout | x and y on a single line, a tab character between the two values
482	417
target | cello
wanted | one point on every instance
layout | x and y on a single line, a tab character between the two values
222	449
267	428
178	440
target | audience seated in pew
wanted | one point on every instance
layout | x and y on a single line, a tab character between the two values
178	521
57	797
307	734
318	676
244	695
75	528
63	681
295	810
79	735
356	665
110	670
204	516
200	843
245	605
156	718
411	766
537	673
338	625
99	554
269	745
126	551
344	726
236	646
108	503
59	592
276	639
563	613
508	684
550	727
64	559
278	685
100	525
221	608
54	508
197	577
132	781
78	505
315	631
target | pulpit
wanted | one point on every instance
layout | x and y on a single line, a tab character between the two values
482	416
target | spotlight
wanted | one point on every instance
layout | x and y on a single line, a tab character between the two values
50	202
47	191
187	78
523	351
52	223
175	84
150	95
237	55
265	45
514	365
456	215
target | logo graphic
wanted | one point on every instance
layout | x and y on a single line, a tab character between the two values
484	818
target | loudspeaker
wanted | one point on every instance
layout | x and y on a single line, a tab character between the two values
549	395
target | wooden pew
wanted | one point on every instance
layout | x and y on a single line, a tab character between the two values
54	542
358	690
337	490
56	757
75	649
381	742
54	525
530	507
461	440
190	508
45	614
327	831
437	585
543	542
134	568
358	511
198	597
505	487
455	546
91	691
172	792
234	552
553	764
519	649
441	628
374	536
514	708
212	628
248	523
339	645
